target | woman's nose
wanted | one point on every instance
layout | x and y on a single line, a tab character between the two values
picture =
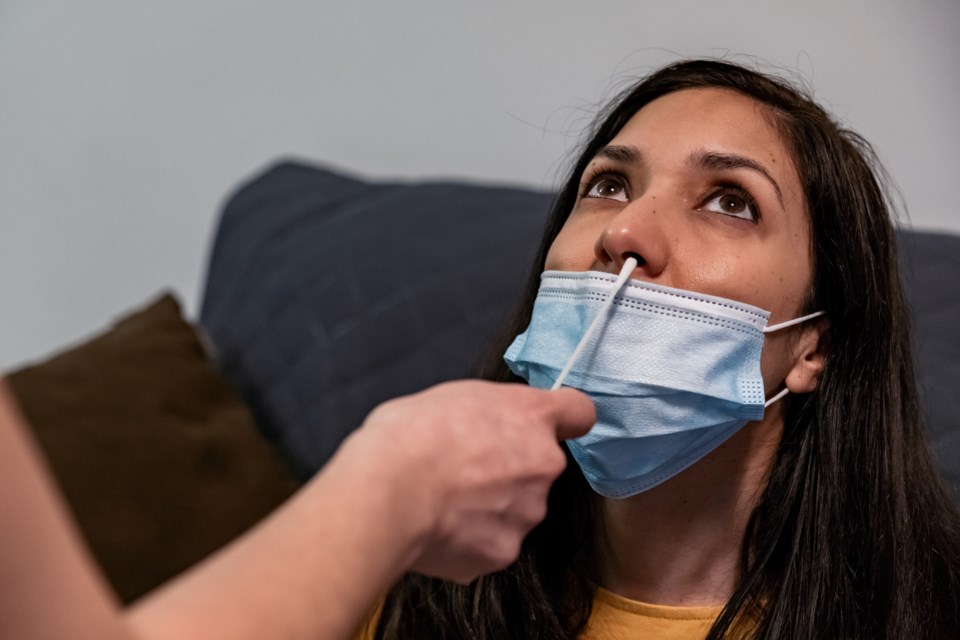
636	230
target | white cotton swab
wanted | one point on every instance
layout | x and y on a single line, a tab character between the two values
628	266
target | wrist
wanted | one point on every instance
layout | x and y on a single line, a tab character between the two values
386	477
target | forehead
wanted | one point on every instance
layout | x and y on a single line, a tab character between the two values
709	118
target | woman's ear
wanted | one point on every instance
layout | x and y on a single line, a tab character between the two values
810	351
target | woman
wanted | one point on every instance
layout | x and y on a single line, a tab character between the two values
821	517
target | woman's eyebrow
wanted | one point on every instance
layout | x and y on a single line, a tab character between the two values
713	160
626	154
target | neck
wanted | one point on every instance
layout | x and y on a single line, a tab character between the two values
680	542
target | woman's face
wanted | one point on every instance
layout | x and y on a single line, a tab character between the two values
699	185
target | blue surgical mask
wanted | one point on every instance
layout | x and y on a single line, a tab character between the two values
673	373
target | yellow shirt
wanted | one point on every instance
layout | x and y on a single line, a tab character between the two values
617	618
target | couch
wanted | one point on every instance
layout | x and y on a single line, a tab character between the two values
325	295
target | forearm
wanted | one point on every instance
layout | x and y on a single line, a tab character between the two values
312	571
50	586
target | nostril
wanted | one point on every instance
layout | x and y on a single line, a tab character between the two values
635	256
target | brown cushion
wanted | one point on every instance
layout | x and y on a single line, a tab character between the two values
158	458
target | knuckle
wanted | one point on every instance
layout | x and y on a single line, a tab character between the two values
382	411
536	507
556	461
533	401
505	552
537	512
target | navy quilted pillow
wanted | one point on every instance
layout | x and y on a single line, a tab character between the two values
931	270
327	295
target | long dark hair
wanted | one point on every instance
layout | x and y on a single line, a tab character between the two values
854	535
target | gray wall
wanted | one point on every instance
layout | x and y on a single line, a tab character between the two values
124	124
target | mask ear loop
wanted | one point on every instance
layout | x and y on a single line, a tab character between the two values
790	323
784	325
782	393
628	266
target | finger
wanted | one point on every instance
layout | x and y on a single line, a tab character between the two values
573	412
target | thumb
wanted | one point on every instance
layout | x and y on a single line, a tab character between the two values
574	413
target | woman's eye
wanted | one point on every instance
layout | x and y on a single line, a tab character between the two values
607	187
731	203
